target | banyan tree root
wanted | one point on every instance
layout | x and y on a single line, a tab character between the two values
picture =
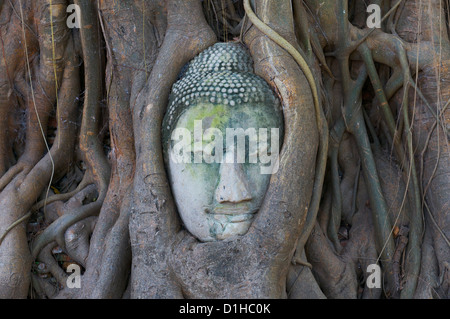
108	263
19	192
153	220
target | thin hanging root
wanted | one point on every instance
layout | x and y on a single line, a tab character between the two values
320	118
60	125
372	131
381	96
422	154
43	107
441	232
416	227
358	42
55	69
355	187
308	36
336	205
21	166
18	222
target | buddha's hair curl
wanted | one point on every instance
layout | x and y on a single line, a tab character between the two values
220	75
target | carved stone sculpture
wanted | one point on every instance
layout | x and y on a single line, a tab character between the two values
219	181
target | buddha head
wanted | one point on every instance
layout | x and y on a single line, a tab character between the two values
221	139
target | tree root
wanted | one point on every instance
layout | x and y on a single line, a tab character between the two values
63	197
29	186
90	146
402	239
320	120
56	231
151	191
13	172
77	240
46	257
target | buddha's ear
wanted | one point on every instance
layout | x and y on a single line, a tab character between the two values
281	218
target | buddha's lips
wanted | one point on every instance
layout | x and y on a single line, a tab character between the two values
238	213
240	218
225	211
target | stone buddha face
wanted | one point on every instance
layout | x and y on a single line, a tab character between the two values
221	139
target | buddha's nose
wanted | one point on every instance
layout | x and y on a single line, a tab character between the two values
233	185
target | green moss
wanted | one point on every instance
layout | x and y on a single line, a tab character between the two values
219	113
212	116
